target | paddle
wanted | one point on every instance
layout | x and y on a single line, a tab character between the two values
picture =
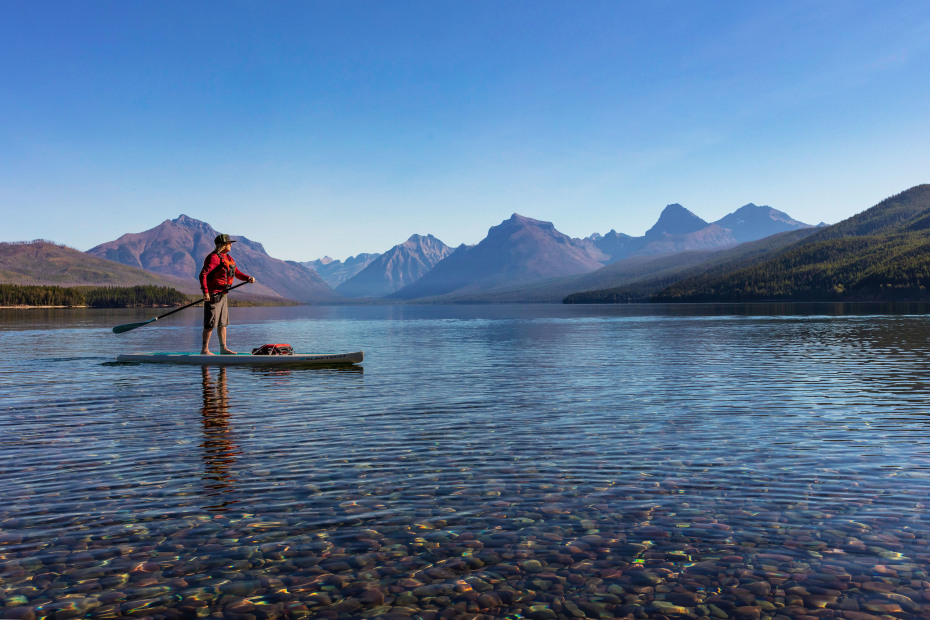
119	329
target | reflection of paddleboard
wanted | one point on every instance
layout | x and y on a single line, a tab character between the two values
302	359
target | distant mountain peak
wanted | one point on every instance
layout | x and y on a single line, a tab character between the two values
676	220
420	239
190	223
678	230
751	222
335	272
177	248
613	234
185	220
426	245
516	218
403	264
763	210
518	222
516	251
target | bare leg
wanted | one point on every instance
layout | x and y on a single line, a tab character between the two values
205	349
221	333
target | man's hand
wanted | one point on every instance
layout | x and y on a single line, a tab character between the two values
251	280
206	297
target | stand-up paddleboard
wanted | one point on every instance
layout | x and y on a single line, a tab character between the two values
301	359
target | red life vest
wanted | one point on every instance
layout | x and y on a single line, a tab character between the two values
222	276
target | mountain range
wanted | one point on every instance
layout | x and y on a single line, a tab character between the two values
50	264
517	251
880	254
177	248
521	259
524	259
397	268
680	230
335	272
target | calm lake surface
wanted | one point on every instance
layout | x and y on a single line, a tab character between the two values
485	461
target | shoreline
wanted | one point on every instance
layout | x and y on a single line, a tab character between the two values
233	305
37	307
24	307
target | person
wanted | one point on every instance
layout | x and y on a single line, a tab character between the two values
218	273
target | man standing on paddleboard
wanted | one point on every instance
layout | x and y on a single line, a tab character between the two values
218	273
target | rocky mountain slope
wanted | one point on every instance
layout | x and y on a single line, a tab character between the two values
400	266
335	272
883	253
517	251
680	230
47	263
177	248
751	222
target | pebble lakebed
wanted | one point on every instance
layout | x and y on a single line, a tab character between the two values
551	561
494	503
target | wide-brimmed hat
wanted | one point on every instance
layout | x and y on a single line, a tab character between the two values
223	239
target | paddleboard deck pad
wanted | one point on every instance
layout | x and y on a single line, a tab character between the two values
297	359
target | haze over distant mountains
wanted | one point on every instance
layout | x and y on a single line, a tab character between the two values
51	264
750	222
401	265
516	261
880	254
680	230
335	272
521	250
517	251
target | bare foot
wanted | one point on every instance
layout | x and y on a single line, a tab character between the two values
227	352
206	352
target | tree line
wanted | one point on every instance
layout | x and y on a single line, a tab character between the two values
873	268
144	296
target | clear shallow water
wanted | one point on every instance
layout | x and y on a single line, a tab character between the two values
515	461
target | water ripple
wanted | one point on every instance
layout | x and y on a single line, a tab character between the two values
542	462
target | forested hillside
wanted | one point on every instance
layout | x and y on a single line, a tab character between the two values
44	263
881	254
95	297
642	288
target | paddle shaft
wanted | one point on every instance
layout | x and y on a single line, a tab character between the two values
194	303
119	329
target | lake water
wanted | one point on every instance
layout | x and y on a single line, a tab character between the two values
485	461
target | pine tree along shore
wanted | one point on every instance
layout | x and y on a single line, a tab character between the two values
145	296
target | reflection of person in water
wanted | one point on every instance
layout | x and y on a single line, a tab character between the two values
219	449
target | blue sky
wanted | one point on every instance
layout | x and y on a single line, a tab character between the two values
333	128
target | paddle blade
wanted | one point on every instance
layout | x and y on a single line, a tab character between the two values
119	329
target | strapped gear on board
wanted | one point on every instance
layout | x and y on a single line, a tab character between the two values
274	349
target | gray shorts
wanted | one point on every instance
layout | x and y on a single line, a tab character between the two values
216	313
